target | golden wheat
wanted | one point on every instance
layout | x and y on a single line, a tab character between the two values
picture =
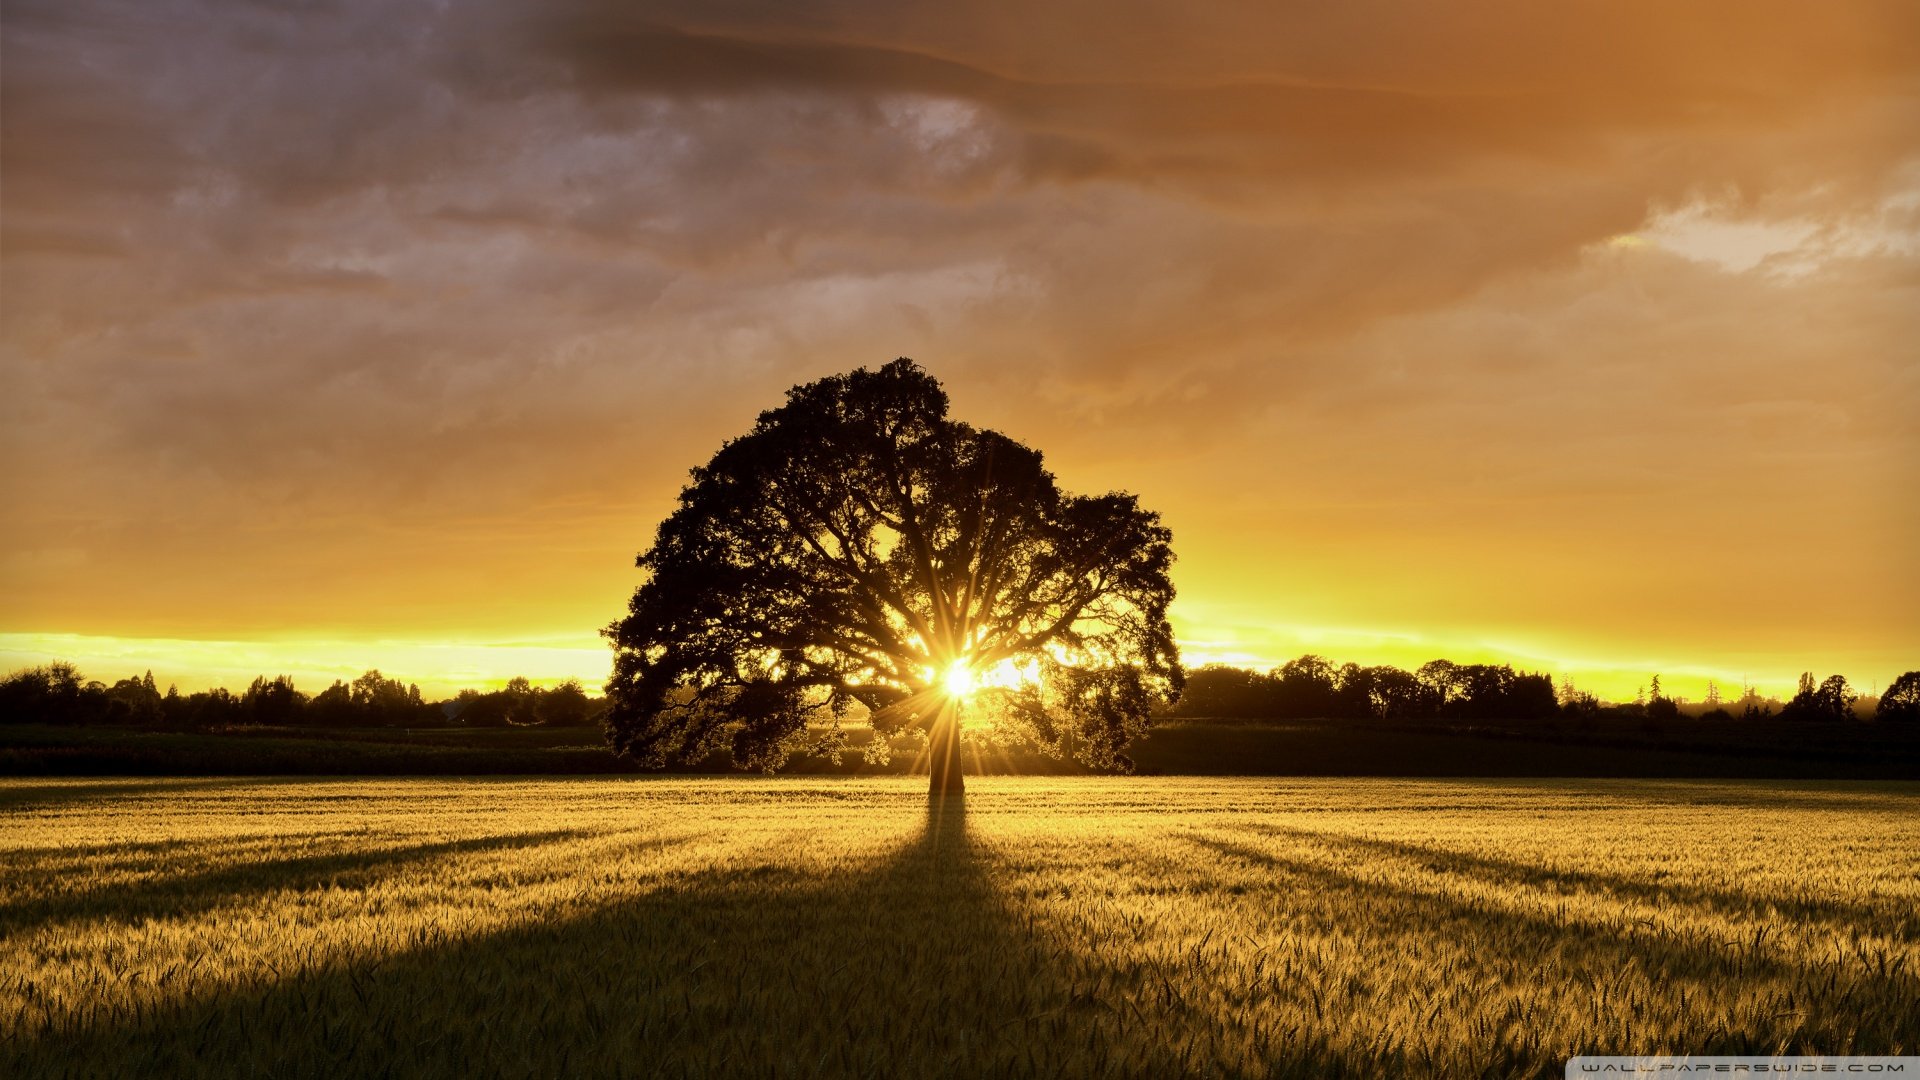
1081	927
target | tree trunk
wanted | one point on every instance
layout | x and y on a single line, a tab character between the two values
943	752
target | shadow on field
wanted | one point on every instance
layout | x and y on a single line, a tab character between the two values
173	896
21	798
1836	796
911	965
1401	919
1841	915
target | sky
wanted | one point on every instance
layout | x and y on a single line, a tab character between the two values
379	333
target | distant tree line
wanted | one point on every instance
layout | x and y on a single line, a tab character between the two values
1311	687
58	694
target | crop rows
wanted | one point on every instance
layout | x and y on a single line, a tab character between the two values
1092	927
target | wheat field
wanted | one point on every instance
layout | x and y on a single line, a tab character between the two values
1078	927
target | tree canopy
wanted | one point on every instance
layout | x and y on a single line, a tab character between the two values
1901	702
1829	701
1310	686
859	547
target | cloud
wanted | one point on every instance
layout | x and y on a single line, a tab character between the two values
398	316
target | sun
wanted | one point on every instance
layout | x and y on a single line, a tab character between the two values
960	681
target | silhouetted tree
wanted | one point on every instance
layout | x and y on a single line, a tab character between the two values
1661	709
475	708
1485	692
1531	697
1353	692
564	705
1384	692
1441	680
1220	690
1579	705
1482	690
1829	701
1576	704
133	701
377	700
860	546
1305	687
522	704
273	701
207	709
1397	694
1838	698
332	707
1901	702
52	694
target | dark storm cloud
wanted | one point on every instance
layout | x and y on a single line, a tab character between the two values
1281	92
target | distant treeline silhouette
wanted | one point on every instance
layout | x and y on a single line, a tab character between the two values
58	694
1310	687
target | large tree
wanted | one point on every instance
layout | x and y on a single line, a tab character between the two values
858	547
1902	700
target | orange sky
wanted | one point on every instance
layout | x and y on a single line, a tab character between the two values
1583	335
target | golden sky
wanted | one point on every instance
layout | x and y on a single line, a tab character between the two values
1584	335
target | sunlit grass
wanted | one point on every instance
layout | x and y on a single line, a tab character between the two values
1052	927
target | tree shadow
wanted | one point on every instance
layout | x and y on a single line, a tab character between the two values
906	963
1841	795
19	798
1402	919
173	896
1842	915
1672	956
910	959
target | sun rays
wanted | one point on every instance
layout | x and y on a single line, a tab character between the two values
959	681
